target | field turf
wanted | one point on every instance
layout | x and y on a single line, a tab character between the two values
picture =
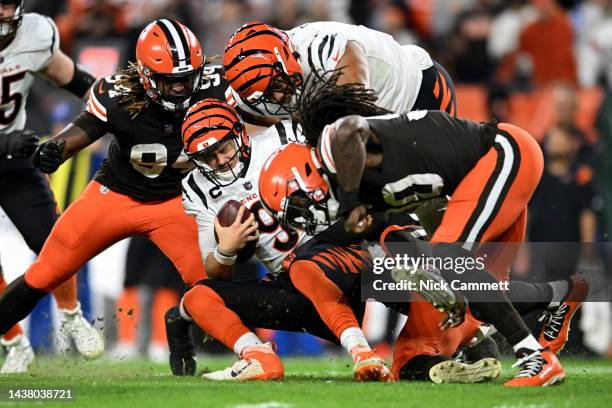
320	382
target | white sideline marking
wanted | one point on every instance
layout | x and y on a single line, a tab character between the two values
268	404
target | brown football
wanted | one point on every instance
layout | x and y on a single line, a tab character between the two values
227	215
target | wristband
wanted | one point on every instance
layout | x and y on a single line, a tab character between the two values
224	259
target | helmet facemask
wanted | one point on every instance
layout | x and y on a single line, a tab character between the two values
311	212
10	25
281	82
160	86
233	169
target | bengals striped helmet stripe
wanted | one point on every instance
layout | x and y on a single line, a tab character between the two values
254	48
179	47
218	110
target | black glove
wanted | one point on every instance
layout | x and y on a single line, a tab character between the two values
18	144
182	350
49	156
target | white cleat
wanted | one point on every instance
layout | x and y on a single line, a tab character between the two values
455	372
256	363
88	341
19	355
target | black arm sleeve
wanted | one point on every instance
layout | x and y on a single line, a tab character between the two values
93	126
80	82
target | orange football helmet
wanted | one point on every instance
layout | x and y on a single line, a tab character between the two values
259	60
294	189
212	128
168	53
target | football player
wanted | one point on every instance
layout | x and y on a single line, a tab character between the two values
228	166
29	45
138	189
323	272
267	67
393	163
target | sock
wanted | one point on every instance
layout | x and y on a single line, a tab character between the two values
529	342
246	340
208	310
72	311
325	295
560	291
527	297
488	306
16	329
353	340
128	316
16	302
66	294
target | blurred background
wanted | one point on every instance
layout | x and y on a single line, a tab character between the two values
544	65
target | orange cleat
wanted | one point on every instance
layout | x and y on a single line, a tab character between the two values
370	367
538	369
557	319
256	363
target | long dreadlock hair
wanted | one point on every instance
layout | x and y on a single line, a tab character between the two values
322	101
132	91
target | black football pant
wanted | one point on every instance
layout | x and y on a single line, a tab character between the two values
26	198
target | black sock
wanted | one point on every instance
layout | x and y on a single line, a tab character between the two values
16	302
527	297
489	306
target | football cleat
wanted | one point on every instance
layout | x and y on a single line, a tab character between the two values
370	367
19	355
88	341
256	363
539	368
557	318
432	286
457	372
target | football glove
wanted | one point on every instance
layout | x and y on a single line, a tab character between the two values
49	156
18	144
182	350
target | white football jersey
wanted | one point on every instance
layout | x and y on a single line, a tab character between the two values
396	71
203	200
30	51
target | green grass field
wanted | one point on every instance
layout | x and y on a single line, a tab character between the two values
323	382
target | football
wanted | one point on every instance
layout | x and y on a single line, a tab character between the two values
226	216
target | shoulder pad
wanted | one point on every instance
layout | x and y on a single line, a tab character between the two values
104	96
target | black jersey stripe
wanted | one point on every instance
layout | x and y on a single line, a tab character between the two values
186	194
194	186
321	47
282	133
331	45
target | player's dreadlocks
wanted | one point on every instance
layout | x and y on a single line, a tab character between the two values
133	92
134	95
323	101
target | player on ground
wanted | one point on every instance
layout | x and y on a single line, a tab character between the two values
228	167
29	45
490	172
137	191
325	269
267	67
